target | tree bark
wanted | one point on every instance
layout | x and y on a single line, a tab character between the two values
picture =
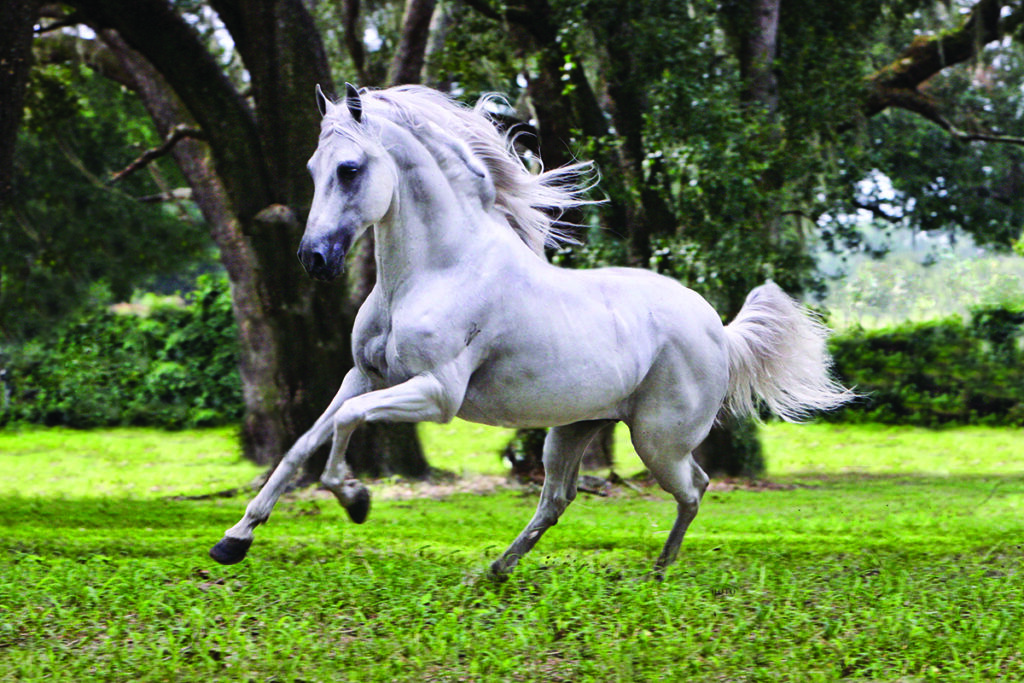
732	448
647	214
757	36
353	39
17	18
407	66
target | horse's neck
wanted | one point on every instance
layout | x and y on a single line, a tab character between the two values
431	228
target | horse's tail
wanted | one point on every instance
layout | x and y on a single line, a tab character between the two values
777	354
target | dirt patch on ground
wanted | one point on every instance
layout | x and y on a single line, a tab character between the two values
728	484
403	489
439	488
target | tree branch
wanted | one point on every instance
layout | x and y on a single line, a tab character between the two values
353	38
968	136
484	8
175	195
178	133
897	84
928	55
172	46
407	65
877	211
72	19
917	102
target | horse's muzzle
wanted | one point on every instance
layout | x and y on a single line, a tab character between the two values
323	261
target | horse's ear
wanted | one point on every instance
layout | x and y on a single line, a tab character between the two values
352	101
321	102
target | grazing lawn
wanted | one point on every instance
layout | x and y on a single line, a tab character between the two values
874	553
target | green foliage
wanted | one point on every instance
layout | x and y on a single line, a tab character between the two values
172	367
936	373
938	183
475	57
66	228
832	576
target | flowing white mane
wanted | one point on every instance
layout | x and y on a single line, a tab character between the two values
533	204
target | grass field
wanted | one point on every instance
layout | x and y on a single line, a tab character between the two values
875	553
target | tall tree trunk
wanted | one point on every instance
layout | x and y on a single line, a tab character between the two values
647	214
757	36
733	447
407	66
294	332
17	18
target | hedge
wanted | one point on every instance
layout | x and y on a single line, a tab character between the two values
173	367
936	373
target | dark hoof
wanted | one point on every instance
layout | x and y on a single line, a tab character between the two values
230	550
359	510
498	572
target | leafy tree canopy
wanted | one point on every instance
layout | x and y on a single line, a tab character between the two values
68	233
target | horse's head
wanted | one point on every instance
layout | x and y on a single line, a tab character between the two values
354	183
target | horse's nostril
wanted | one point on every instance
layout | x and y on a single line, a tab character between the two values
313	260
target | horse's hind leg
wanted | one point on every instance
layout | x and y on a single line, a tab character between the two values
668	456
563	451
687	484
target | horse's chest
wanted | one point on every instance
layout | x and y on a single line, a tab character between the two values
381	358
372	358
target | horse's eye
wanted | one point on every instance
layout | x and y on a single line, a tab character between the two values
346	172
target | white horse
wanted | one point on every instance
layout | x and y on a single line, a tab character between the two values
468	319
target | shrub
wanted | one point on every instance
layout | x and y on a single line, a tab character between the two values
172	367
936	373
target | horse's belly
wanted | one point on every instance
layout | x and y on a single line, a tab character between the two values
538	396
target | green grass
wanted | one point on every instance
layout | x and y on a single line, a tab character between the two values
884	554
135	463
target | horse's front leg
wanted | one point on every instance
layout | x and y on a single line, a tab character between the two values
424	398
421	399
233	547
